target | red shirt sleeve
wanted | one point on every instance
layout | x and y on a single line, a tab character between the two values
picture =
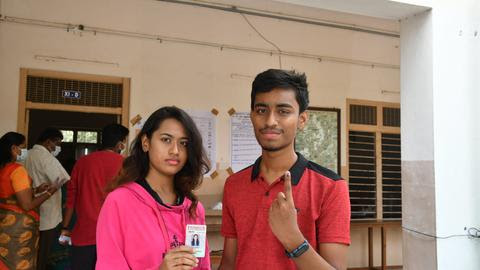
228	223
333	225
72	187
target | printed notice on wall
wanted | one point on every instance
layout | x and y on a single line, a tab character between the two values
206	124
244	145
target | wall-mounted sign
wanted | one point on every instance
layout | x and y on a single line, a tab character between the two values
71	94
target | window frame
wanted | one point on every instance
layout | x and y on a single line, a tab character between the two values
378	129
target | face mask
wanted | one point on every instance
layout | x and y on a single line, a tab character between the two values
23	155
57	150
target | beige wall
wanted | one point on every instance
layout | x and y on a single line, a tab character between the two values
200	77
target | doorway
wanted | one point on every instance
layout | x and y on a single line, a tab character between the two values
80	105
81	131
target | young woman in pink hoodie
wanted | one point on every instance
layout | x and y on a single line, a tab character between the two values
142	224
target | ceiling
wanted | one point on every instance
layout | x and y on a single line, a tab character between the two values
386	9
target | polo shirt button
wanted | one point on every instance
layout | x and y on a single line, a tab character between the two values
267	193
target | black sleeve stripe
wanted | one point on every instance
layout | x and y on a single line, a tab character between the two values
323	171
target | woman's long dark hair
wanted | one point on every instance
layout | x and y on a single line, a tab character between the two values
137	164
6	142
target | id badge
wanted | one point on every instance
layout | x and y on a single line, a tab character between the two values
196	237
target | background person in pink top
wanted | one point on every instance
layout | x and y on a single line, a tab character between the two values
86	193
142	224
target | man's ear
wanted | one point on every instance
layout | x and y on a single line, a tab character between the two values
117	146
50	142
302	120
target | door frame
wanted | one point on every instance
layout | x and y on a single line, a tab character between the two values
24	106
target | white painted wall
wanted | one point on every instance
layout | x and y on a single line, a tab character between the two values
456	87
418	176
446	83
197	77
417	88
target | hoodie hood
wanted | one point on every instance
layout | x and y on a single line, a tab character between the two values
146	198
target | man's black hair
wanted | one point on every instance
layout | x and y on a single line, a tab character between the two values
281	79
113	134
50	133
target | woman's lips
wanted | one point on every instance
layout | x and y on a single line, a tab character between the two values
173	161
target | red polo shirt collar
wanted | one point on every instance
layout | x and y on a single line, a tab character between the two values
296	170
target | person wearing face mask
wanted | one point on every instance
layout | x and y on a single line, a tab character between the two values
85	194
44	168
19	219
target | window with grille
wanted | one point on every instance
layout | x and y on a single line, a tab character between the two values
391	176
374	160
363	114
52	90
391	117
362	172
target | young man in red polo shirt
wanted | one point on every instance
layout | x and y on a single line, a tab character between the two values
284	212
86	193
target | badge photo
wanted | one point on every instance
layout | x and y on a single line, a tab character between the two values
196	236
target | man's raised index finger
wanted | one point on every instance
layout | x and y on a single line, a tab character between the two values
287	178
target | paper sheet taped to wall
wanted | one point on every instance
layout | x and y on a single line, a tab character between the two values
206	123
244	146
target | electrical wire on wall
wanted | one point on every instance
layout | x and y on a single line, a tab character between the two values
79	29
264	38
471	233
50	58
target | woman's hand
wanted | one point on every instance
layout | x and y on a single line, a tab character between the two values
180	258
